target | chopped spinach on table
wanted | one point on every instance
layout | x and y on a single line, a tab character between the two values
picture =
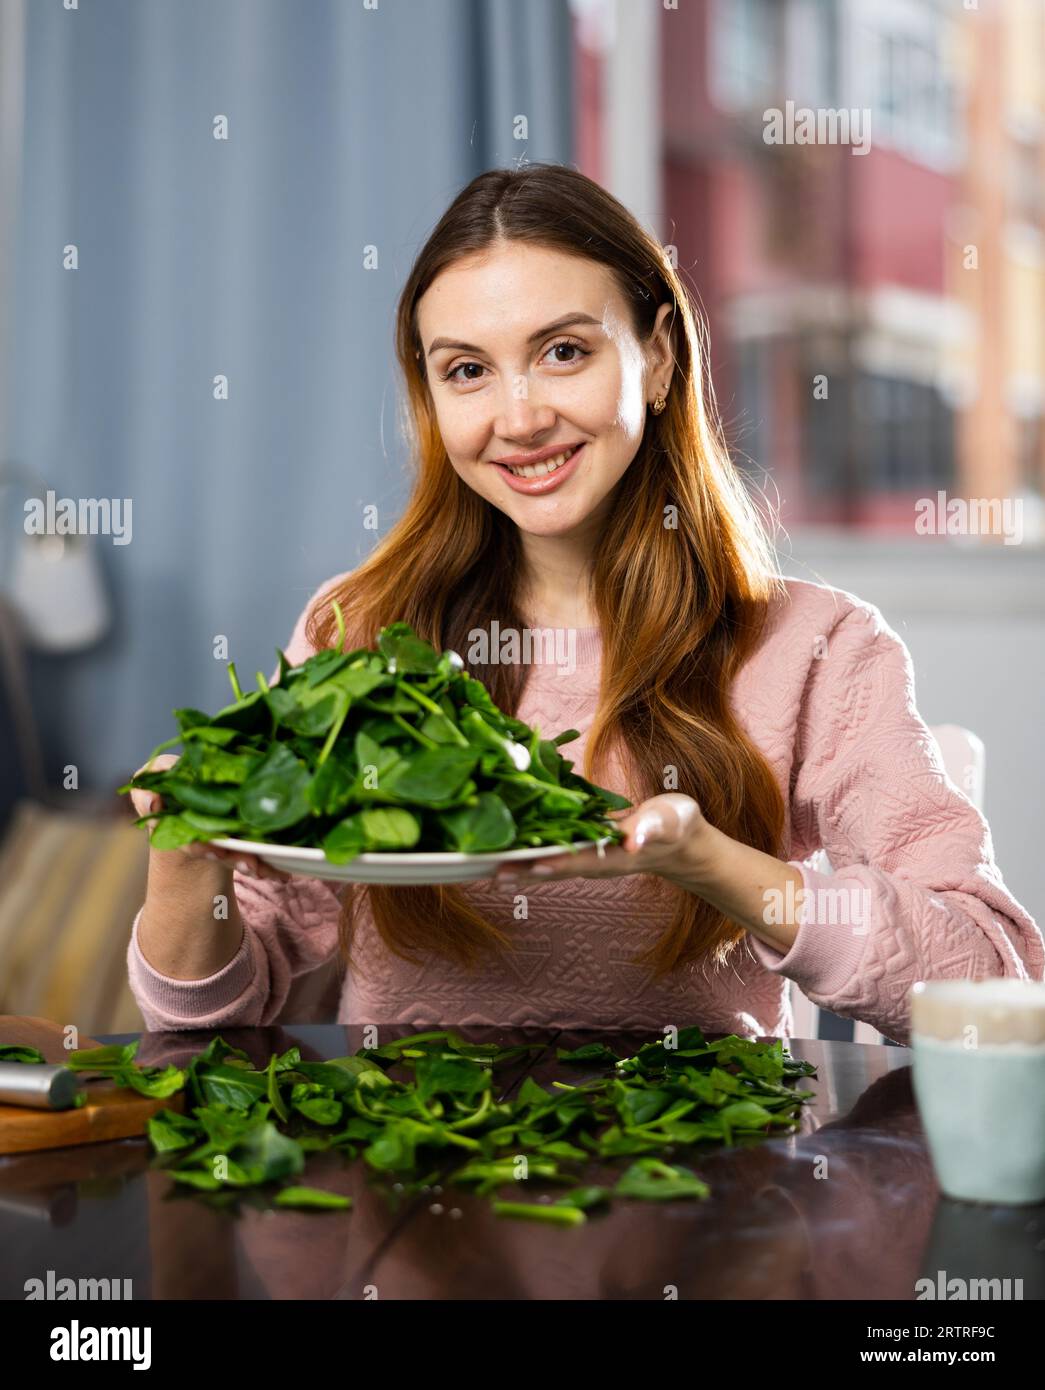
16	1052
355	752
423	1110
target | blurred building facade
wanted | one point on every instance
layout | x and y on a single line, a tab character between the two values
874	283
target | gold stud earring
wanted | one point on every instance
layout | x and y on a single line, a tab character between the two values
658	405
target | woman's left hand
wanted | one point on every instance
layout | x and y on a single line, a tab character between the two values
657	835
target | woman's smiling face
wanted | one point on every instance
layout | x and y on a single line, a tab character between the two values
529	350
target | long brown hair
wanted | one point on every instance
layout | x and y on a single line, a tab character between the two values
681	581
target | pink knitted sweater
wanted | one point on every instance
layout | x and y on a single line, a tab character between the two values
829	699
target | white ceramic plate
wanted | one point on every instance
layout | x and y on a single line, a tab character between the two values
396	868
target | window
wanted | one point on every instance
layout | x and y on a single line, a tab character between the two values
742	52
1024	190
826	432
753	431
901	433
909	435
1030	453
812	52
914	102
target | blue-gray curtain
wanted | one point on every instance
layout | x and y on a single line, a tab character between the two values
348	127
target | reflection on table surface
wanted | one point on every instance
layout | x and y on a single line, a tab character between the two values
846	1207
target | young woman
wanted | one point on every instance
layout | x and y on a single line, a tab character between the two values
571	476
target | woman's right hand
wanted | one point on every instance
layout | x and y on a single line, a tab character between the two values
145	801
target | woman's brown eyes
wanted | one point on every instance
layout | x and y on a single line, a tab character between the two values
451	375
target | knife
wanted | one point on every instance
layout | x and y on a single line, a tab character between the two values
41	1085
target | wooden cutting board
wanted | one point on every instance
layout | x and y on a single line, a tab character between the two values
112	1112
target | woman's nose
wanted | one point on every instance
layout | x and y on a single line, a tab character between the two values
522	415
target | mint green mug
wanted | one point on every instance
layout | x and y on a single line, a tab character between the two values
979	1081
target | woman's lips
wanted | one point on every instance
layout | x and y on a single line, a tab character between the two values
548	483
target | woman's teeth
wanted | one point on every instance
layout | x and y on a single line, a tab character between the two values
540	470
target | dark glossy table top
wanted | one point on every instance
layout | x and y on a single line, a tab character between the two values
847	1207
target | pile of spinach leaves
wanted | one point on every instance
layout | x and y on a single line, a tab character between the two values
423	1110
388	750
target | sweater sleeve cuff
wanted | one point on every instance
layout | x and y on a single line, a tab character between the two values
191	999
834	925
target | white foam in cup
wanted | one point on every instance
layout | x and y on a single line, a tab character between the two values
979	1080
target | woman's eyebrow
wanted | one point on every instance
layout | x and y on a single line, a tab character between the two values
564	322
